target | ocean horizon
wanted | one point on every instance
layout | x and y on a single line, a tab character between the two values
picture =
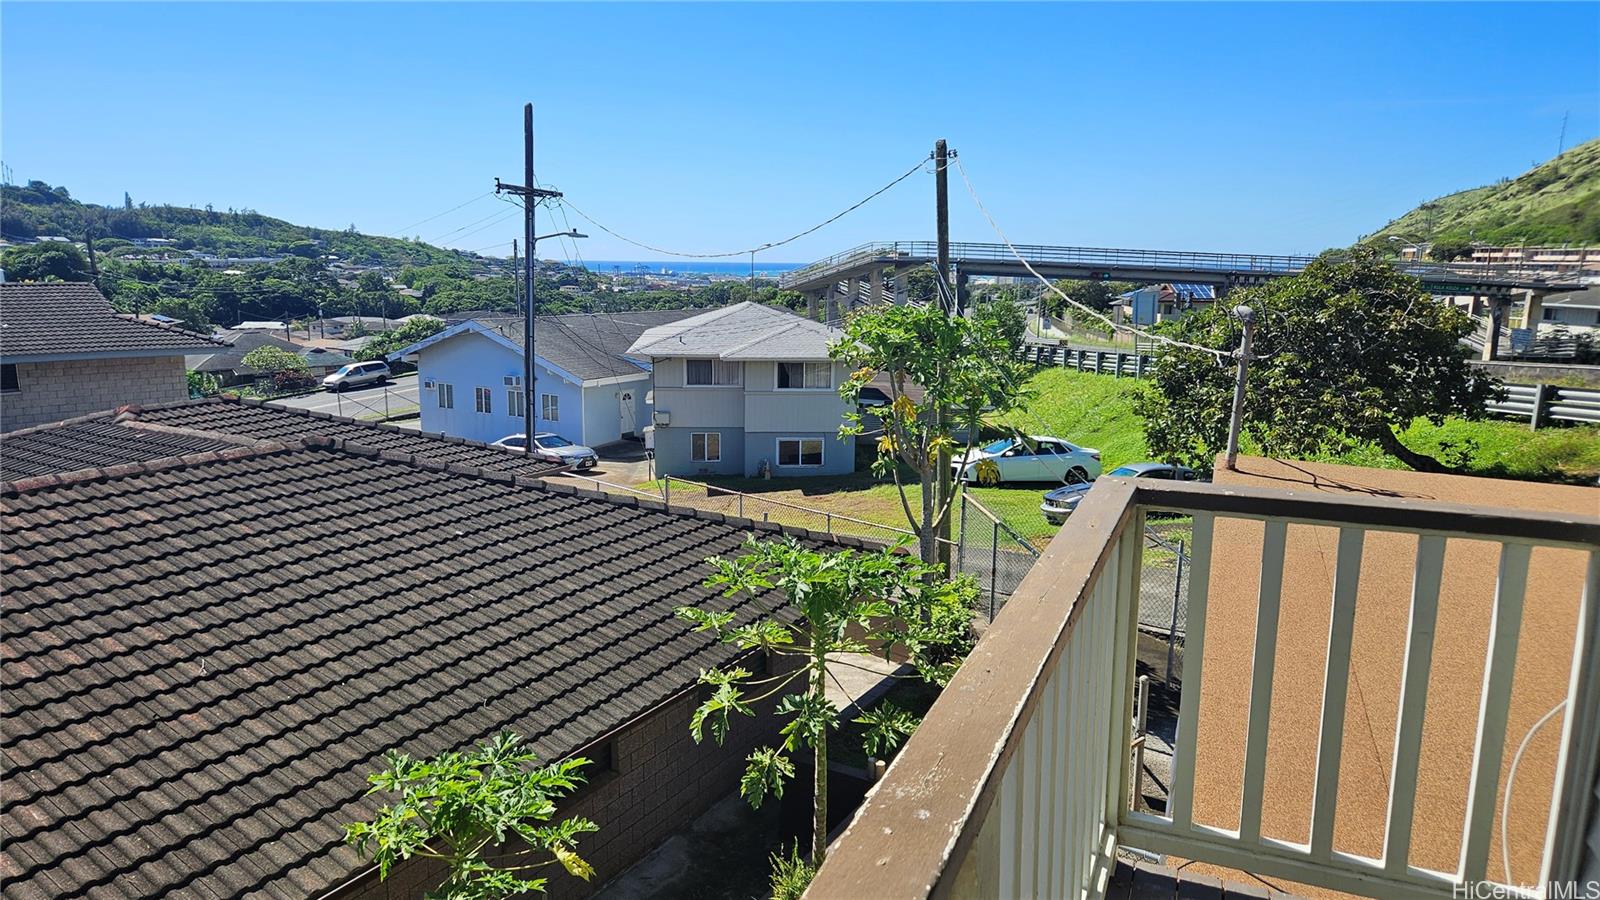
689	266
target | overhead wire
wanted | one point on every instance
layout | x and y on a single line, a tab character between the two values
400	232
1092	312
750	250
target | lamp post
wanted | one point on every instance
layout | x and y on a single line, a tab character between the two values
1422	247
531	262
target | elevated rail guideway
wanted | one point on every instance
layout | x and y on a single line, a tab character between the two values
866	264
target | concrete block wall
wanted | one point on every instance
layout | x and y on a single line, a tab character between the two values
660	781
52	391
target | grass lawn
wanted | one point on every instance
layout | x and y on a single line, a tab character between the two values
1097	411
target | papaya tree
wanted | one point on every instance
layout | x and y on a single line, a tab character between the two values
943	375
833	605
465	809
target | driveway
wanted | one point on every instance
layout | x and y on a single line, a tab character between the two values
399	392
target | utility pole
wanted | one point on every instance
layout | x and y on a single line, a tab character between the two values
1236	420
531	196
516	286
942	481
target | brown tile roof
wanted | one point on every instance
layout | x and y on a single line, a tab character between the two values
200	671
92	442
136	434
53	320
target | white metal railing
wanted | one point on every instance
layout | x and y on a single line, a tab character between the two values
1029	747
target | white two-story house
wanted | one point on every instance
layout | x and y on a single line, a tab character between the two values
746	389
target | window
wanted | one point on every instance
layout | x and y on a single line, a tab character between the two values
800	451
516	402
447	396
705	446
8	378
484	399
805	376
705	372
550	407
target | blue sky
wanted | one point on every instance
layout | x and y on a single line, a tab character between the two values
1250	127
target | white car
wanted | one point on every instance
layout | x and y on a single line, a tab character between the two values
1031	458
1061	502
554	447
357	375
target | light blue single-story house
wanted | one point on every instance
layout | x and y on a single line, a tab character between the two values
743	390
587	388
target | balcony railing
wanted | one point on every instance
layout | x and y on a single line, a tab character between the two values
1017	784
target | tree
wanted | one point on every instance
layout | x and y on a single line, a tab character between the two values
1347	350
286	370
1003	311
883	596
964	368
412	331
457	807
46	261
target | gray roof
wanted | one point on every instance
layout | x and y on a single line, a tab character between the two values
73	320
743	331
589	346
1587	298
232	359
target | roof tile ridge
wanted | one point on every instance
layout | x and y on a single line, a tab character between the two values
162	428
51	426
167	463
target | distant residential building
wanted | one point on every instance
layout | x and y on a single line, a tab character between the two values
261	326
746	389
589	389
228	365
64	351
1160	302
1578	311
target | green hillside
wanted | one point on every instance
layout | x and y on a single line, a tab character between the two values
40	209
1555	203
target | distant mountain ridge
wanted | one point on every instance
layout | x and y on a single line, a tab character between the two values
39	209
1554	203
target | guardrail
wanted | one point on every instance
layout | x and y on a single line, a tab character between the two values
1177	261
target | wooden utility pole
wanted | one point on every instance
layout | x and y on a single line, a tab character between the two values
942	482
516	286
531	196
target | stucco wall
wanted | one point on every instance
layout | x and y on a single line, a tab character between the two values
469	361
52	391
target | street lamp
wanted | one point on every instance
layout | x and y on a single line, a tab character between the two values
527	351
1421	246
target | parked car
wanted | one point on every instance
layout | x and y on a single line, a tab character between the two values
356	375
1059	503
1032	458
555	448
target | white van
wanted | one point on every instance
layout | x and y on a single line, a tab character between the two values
357	375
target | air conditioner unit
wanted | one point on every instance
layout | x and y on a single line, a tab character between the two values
662	418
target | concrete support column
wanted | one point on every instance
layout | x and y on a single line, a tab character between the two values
1534	311
902	287
875	287
1491	341
962	300
813	299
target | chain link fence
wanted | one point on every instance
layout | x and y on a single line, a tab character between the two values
1164	588
992	552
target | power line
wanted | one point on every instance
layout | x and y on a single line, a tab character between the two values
1094	313
749	250
400	232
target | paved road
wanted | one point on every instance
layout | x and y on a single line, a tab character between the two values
357	402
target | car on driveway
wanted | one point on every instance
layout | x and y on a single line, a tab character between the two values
555	448
1030	458
1059	503
354	375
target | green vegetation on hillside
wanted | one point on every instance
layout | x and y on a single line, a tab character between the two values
1089	410
1555	203
38	209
